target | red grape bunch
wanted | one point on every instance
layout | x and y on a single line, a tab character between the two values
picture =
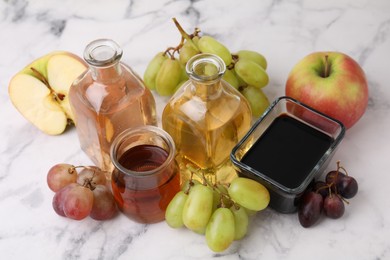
81	194
327	196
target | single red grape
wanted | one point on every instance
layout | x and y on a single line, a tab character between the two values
333	206
347	187
61	175
59	198
104	206
310	208
78	202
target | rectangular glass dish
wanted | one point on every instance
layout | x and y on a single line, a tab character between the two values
286	149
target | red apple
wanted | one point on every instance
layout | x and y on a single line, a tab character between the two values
332	83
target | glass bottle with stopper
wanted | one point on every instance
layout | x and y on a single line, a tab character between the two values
206	118
108	99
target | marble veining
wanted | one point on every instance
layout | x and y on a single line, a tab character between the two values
284	31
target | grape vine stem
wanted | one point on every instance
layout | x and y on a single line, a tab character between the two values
208	183
185	35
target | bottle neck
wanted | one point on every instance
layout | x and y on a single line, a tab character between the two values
103	57
106	74
207	90
205	72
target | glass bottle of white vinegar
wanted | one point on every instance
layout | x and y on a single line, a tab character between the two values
206	118
108	99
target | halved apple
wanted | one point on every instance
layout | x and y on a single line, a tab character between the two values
40	91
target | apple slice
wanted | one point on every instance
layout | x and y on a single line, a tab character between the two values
62	70
40	91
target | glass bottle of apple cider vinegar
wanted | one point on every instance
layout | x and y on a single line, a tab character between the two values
108	99
206	118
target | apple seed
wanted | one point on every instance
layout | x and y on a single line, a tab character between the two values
57	96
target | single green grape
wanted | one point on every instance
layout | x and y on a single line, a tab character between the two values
208	44
198	208
220	230
252	73
249	193
152	69
231	78
241	82
241	221
183	78
187	51
257	100
253	56
174	211
186	185
168	77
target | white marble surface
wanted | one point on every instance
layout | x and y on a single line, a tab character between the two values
284	31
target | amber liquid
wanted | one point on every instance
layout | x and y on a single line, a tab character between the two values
205	131
145	199
104	108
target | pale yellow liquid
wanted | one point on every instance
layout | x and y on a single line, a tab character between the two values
206	129
106	108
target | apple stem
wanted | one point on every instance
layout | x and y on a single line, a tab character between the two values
42	78
327	67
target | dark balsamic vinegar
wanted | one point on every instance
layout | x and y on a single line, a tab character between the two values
287	151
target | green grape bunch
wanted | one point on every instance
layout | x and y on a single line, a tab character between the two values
245	69
219	212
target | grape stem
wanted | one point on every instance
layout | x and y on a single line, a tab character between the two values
208	183
343	199
88	183
341	167
196	32
337	173
196	172
235	58
327	186
72	170
185	35
333	183
174	49
191	183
